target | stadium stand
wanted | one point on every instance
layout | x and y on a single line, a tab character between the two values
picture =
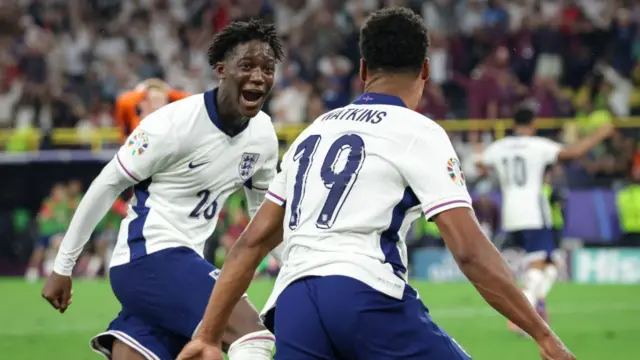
64	64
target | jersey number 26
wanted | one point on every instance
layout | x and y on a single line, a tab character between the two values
339	182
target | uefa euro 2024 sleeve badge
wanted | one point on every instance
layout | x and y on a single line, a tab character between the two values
247	165
138	142
455	171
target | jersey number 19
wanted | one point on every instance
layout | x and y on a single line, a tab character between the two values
339	182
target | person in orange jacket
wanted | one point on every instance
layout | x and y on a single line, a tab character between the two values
132	106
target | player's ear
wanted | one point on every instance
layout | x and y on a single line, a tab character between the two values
363	70
424	73
221	70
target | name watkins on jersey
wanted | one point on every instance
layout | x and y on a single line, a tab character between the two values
247	165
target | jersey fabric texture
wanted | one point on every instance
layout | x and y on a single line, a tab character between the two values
352	183
184	168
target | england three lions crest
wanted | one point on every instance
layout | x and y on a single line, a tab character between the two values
247	165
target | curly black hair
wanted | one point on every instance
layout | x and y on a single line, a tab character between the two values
394	40
240	32
524	116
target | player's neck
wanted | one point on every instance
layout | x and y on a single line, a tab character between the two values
230	119
395	87
523	131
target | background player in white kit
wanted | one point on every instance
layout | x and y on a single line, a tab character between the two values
520	162
350	185
183	160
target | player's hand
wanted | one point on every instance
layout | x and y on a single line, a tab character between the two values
607	129
552	348
198	349
57	291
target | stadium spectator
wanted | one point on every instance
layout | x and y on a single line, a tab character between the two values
71	64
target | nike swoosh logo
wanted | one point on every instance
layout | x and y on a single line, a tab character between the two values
193	166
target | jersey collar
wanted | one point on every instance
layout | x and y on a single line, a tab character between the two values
370	98
212	111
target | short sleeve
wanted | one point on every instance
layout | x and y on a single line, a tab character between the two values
257	186
433	171
264	175
149	148
277	192
548	149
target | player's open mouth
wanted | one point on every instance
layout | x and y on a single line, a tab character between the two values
252	97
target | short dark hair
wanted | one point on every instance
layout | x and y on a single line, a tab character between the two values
240	32
394	40
524	116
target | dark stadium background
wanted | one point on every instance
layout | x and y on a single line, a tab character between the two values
63	64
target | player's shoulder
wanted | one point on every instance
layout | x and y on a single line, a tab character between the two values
175	117
541	140
411	124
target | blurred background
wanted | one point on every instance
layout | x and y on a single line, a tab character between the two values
73	73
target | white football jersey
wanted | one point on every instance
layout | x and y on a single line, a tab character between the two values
353	182
520	163
185	167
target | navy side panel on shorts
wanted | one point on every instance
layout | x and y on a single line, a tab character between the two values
337	317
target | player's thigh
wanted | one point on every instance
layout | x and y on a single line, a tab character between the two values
404	332
128	334
168	289
298	328
122	351
369	325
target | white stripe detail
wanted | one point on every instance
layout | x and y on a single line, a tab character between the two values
98	348
444	206
274	199
127	339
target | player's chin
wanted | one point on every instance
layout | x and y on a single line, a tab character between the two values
250	106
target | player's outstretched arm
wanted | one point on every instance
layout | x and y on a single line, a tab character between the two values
483	265
582	147
262	235
94	205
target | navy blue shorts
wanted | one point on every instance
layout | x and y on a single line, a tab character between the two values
337	317
163	297
539	242
44	241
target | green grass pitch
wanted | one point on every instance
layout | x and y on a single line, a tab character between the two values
597	321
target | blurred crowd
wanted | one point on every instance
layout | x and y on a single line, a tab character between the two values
63	64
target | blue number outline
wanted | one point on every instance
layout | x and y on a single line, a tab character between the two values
304	155
332	206
336	196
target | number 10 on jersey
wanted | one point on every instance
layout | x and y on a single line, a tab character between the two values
347	151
